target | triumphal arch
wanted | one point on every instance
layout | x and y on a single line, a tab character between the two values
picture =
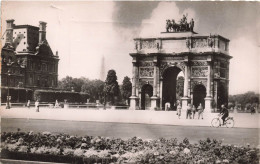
158	62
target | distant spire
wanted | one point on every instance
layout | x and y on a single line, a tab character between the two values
102	69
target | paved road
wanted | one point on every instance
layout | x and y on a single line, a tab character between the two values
238	136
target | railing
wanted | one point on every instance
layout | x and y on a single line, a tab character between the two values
71	105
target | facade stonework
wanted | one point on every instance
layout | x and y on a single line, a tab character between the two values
157	62
27	59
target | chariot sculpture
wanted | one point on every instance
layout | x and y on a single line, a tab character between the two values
182	26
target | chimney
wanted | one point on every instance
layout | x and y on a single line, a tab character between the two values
42	31
9	31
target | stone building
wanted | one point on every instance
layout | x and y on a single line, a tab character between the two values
157	61
27	58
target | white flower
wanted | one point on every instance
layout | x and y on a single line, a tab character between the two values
23	149
83	145
68	151
98	140
186	151
173	152
46	133
84	139
225	161
33	150
78	152
11	147
156	153
218	161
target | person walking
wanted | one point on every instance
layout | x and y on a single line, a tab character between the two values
28	104
37	106
200	111
56	104
193	111
188	112
179	111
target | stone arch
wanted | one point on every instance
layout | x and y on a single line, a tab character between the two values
169	86
165	65
146	94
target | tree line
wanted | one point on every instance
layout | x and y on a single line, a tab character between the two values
108	91
244	101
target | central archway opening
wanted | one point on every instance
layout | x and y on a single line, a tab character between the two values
173	82
199	94
146	94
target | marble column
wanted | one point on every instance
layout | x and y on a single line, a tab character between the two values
208	99
185	98
154	98
134	98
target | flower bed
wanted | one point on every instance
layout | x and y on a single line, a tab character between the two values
73	149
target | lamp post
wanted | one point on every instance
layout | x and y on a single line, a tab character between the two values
19	85
8	94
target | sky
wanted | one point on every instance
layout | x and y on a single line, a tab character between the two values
85	31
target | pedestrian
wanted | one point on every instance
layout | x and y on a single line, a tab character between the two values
56	104
37	106
193	111
200	111
188	112
179	111
28	104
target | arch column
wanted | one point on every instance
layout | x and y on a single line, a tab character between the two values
185	100
155	98
208	99
134	99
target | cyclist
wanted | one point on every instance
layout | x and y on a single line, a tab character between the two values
225	113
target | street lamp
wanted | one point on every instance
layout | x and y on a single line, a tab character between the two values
19	85
8	94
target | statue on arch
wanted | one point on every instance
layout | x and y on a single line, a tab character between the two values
191	25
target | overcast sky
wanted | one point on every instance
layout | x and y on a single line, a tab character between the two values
83	32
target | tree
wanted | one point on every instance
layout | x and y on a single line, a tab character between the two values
126	88
111	89
72	84
245	99
180	87
94	88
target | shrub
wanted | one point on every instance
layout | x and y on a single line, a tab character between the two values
52	96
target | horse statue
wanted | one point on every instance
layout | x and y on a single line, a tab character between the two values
183	25
168	25
175	26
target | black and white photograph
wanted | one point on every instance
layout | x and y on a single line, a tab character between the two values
118	82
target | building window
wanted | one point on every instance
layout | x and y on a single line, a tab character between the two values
44	67
39	67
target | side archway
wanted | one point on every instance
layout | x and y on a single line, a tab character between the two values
146	94
199	94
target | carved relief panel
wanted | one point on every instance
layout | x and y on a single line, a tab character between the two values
199	43
149	44
146	69
199	71
146	72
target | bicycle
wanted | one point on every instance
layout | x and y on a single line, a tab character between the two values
229	122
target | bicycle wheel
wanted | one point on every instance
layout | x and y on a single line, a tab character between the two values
215	122
230	123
